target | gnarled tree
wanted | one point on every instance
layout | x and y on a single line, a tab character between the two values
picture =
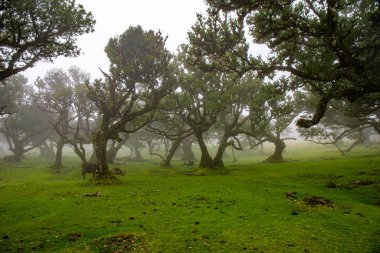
331	45
140	75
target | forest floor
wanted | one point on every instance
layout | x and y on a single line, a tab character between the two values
316	202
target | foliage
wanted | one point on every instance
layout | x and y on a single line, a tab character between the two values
271	112
140	76
10	95
200	99
345	121
34	30
25	127
331	46
62	96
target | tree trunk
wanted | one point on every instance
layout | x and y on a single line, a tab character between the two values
17	149
218	159
279	149
114	149
18	153
188	154
167	146
233	154
58	156
81	154
206	160
138	155
171	152
100	147
46	150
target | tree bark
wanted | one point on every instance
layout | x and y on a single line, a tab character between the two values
188	154
100	148
138	155
218	159
171	152
18	153
58	156
81	154
233	155
16	148
206	160
279	149
114	149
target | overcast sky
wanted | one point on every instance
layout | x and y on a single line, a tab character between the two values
173	17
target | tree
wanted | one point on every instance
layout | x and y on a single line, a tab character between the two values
140	75
172	128
135	145
10	95
62	97
270	113
202	97
24	131
24	128
188	155
330	45
35	30
232	120
54	98
114	147
344	121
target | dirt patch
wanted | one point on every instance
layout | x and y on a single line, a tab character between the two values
124	242
361	182
316	200
351	185
74	236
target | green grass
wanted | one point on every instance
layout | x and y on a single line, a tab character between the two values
151	209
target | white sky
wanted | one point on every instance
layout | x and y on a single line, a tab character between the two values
173	18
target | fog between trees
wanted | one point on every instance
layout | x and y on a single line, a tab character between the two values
211	90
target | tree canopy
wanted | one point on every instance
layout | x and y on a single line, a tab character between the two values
140	76
330	45
34	30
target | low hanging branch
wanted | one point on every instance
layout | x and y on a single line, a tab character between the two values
233	145
151	150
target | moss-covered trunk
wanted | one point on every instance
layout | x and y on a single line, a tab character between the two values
99	141
279	149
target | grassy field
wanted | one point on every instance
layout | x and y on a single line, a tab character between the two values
242	209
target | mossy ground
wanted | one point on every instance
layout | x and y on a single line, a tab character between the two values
152	209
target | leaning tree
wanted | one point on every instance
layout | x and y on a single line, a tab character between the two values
345	121
140	75
330	45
